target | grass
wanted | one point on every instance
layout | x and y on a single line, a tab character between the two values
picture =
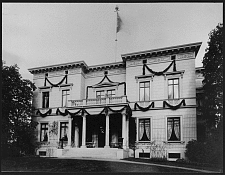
210	167
52	165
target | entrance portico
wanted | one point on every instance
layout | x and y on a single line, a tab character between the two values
104	130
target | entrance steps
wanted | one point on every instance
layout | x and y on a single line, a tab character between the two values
107	153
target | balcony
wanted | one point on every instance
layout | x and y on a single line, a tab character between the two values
98	101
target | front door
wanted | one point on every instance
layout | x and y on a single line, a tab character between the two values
101	137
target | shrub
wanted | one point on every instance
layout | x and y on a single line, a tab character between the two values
158	159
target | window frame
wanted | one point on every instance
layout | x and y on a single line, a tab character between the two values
40	134
60	129
112	90
181	129
43	100
149	87
150	129
65	96
168	85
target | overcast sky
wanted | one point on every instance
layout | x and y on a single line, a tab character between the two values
40	34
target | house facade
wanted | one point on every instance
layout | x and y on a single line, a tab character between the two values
143	106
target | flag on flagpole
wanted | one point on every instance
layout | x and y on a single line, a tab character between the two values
119	23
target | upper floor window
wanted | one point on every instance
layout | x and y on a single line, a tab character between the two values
65	96
144	130
111	93
173	88
100	94
144	91
64	130
44	132
45	99
173	129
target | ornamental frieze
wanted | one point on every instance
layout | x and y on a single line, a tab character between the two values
39	76
185	56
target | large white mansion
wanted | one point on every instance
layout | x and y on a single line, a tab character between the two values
146	101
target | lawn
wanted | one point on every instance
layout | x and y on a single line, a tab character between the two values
38	164
209	167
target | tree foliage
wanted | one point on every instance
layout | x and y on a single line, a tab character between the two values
213	77
17	127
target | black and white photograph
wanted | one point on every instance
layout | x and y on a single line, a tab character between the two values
112	87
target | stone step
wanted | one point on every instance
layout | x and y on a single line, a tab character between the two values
91	152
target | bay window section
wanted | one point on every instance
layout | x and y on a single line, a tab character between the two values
64	131
173	129
44	132
144	91
173	88
144	130
45	99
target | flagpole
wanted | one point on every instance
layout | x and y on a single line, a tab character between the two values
116	10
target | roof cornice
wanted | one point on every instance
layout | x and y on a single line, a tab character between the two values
162	51
107	66
62	66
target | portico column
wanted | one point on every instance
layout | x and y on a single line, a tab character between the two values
84	132
127	136
107	132
124	129
76	136
69	131
137	129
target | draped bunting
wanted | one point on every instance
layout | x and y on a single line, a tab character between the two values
162	72
105	109
174	107
55	85
143	109
45	114
58	112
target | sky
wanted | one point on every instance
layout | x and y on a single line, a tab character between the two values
41	34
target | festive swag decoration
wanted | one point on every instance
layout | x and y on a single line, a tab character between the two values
144	109
45	114
162	72
105	110
55	85
58	112
174	107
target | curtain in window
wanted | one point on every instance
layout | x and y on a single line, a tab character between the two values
173	129
141	129
144	130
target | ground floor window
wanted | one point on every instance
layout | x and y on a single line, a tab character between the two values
144	130
64	131
44	132
173	129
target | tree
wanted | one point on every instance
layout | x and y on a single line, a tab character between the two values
17	126
213	78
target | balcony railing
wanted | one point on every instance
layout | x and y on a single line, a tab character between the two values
98	101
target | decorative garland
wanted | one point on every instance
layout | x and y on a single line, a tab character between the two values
45	114
174	107
55	85
143	109
58	112
162	72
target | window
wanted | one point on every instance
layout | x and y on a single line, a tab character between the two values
144	91
44	132
144	130
65	95
64	130
45	99
100	94
173	88
173	129
111	93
